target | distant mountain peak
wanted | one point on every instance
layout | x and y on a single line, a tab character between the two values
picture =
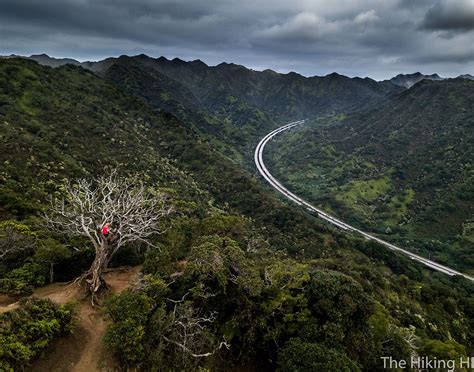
408	80
143	56
177	61
292	73
198	62
44	59
227	64
231	67
44	55
270	71
465	76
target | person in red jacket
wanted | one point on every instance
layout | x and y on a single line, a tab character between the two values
106	231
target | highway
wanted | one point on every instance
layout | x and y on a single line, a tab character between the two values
262	169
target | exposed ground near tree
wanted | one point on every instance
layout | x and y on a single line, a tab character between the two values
83	350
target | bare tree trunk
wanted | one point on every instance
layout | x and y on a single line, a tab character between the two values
51	272
95	278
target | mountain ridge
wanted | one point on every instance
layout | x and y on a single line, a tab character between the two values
231	104
245	103
47	60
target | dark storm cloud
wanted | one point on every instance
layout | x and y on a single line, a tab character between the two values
449	16
142	21
355	37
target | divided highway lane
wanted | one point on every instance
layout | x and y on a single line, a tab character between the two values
258	156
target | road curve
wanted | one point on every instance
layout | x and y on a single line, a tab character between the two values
258	157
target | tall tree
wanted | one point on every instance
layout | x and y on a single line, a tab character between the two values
132	212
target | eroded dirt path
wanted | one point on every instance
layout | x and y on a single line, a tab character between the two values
82	350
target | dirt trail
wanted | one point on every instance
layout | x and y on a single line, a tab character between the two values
83	349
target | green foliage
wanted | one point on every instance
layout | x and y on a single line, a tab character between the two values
303	356
332	313
287	306
158	262
17	241
26	333
51	252
215	260
31	254
129	313
8	226
23	280
448	350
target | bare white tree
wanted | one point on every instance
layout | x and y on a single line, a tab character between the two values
407	334
132	212
188	330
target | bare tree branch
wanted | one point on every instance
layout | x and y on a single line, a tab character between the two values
194	355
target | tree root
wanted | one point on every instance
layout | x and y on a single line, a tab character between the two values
92	286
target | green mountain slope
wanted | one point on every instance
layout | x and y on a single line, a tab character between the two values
288	96
237	105
403	169
231	105
229	123
68	123
169	95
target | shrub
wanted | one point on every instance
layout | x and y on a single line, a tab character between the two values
129	313
26	332
299	356
23	280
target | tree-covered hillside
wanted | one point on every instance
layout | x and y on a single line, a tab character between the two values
231	105
238	105
288	96
68	123
403	169
169	95
237	280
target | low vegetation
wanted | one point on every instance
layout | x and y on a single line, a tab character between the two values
25	333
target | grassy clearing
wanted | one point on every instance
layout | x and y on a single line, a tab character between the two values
361	195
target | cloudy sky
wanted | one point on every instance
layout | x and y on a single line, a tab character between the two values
371	38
